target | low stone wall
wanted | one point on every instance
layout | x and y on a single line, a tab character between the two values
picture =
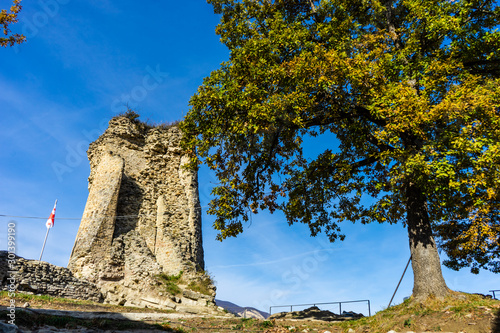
41	278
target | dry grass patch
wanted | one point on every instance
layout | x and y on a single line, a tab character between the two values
460	311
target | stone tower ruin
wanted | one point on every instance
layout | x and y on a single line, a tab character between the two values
142	217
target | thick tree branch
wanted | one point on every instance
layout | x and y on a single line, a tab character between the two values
483	66
313	7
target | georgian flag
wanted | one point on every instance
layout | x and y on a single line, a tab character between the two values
50	221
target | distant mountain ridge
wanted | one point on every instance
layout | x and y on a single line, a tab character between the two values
245	312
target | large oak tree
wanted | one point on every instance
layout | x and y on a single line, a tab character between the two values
409	88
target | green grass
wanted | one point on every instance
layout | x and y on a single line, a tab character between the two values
47	299
171	282
203	284
237	327
267	324
408	313
434	314
248	322
50	301
31	320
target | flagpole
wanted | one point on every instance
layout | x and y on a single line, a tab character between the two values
45	240
49	224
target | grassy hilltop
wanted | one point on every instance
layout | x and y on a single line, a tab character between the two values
461	313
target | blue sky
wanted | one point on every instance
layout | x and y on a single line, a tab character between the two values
82	63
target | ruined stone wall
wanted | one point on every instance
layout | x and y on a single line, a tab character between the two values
41	278
142	217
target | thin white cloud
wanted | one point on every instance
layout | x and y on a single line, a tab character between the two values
271	262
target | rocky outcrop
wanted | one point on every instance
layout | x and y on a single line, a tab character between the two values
41	278
142	218
314	313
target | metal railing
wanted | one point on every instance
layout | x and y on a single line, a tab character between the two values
314	304
493	291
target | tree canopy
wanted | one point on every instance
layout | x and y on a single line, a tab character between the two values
411	91
7	18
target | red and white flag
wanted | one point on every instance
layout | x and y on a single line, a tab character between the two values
50	221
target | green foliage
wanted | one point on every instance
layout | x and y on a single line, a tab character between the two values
172	288
174	278
7	18
237	327
130	114
248	322
46	298
267	324
148	124
170	282
410	90
202	284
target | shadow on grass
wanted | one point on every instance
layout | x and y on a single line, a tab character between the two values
496	323
32	320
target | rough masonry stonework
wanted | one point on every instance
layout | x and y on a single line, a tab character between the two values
41	278
142	218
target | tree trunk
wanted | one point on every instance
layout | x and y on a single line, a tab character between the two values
428	277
